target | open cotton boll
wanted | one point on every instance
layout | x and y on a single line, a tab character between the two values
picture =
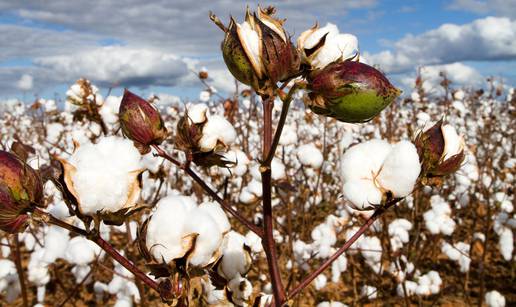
56	243
235	258
204	96
110	108
175	223
104	175
216	130
320	281
494	299
374	167
240	160
337	267
398	231
54	131
506	243
278	169
459	253
288	135
82	251
197	113
429	284
437	219
400	169
410	288
453	143
241	289
309	155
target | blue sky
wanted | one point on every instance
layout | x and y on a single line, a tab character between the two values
153	46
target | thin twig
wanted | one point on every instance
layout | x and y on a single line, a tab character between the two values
19	269
308	279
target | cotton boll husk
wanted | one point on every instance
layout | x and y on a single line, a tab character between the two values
400	169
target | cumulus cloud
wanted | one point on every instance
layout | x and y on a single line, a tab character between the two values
499	7
459	74
118	66
490	38
25	83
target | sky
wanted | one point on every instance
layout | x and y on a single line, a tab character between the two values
155	46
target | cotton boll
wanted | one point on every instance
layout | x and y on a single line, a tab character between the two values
400	169
81	251
165	228
320	281
240	160
362	193
506	243
410	287
241	289
398	230
277	169
453	143
216	130
104	175
235	258
288	135
204	96
197	113
437	219
211	294
494	299
337	267
178	222
254	242
56	243
9	281
309	155
359	160
368	291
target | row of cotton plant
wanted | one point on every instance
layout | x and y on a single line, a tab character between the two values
299	194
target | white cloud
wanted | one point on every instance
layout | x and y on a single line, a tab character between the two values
118	66
25	83
499	7
458	73
490	38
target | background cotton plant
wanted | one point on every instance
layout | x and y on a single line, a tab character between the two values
232	212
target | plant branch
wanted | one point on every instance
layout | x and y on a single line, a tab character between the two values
19	269
283	117
269	245
162	153
109	249
308	279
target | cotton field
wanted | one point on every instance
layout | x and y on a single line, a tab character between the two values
314	182
449	243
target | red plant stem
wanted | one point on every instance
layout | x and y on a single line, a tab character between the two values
19	269
308	279
108	248
269	245
162	153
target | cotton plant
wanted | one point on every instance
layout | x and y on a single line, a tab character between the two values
205	178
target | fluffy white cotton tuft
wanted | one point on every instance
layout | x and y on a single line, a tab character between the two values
494	299
217	130
105	174
178	223
309	155
374	167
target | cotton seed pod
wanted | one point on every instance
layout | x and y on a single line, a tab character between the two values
258	51
20	190
141	122
350	91
440	149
